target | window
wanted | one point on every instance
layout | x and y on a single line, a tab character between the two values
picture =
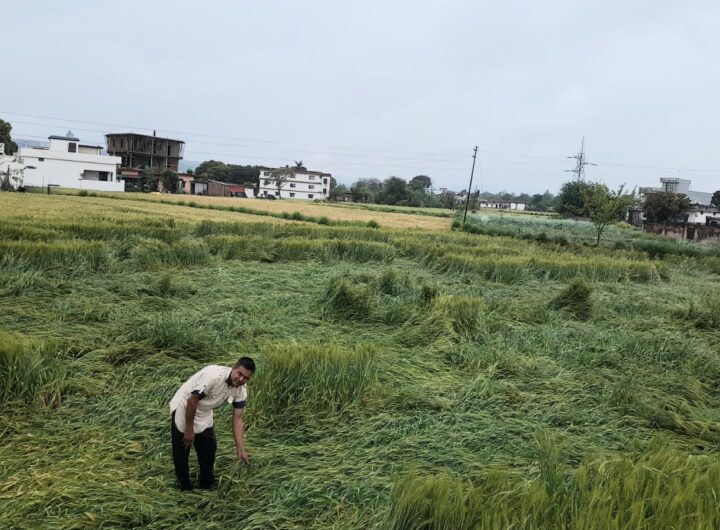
670	186
292	184
311	186
41	160
266	173
310	195
292	194
324	191
277	194
312	177
325	181
266	182
72	147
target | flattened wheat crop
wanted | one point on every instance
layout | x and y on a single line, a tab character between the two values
407	378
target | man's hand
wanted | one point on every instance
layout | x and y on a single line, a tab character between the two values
242	455
188	438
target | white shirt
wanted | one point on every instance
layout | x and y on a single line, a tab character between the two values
212	382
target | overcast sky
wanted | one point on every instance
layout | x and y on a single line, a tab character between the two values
375	89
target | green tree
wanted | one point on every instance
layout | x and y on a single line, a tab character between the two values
715	201
170	181
394	191
5	138
279	177
662	205
542	202
604	206
421	183
212	169
571	200
340	189
365	190
299	166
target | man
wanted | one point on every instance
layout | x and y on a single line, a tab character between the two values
191	422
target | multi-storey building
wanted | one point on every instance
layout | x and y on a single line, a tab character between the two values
140	151
299	184
68	163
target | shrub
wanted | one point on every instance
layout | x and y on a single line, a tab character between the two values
575	298
305	380
372	223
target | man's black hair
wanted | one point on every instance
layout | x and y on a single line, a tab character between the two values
246	362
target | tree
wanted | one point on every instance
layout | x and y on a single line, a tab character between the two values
340	189
715	201
279	177
604	206
394	191
542	202
10	146
212	169
299	166
169	181
420	183
571	200
662	205
365	190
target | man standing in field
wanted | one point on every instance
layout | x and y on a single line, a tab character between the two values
191	418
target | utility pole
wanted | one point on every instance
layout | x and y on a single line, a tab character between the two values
469	190
581	163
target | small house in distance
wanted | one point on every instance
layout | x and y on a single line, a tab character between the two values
227	189
299	184
502	205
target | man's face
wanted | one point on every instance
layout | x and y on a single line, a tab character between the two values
239	376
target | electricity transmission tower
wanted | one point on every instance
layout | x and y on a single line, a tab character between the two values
579	169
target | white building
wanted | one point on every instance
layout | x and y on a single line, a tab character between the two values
300	184
503	205
68	163
678	185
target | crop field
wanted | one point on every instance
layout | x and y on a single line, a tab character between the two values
407	379
414	218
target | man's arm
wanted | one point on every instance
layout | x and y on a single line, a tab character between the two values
239	434
190	410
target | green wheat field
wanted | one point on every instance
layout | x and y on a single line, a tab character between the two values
507	375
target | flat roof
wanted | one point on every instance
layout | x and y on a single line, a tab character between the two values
144	135
71	138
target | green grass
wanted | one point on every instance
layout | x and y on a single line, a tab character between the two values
405	379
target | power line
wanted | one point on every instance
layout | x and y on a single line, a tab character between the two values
203	135
371	154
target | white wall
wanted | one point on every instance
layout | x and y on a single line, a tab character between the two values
298	186
701	216
66	169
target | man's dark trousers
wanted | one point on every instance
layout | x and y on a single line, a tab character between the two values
205	447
